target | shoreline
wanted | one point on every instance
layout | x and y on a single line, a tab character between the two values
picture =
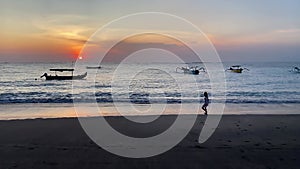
67	110
152	116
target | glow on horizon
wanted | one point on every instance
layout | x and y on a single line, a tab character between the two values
57	34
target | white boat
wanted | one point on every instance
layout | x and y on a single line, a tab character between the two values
295	70
237	69
195	70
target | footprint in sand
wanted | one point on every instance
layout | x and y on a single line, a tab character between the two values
31	148
244	157
62	148
18	146
200	147
257	144
269	143
224	146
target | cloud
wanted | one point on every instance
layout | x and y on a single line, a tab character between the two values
118	52
64	27
288	31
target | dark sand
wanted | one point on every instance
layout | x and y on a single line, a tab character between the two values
240	142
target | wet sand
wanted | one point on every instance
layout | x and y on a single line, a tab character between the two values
63	110
240	141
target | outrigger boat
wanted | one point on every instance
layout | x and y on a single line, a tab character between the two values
295	70
55	77
195	70
237	69
93	67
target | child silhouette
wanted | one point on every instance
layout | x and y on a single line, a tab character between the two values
206	102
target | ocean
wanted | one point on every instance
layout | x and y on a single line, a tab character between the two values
264	83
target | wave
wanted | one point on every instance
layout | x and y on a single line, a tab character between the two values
263	93
140	98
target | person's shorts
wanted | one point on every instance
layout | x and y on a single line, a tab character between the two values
205	105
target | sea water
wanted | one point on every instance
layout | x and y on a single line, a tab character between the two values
264	83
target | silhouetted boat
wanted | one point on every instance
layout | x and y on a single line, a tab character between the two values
295	70
191	70
56	77
237	69
93	67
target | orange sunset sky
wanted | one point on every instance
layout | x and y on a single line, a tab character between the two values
55	31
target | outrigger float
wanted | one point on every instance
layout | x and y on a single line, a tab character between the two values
93	67
295	70
195	70
56	77
237	69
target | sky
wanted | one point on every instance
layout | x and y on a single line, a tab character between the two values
241	31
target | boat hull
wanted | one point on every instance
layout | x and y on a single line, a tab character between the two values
92	67
193	72
78	77
237	70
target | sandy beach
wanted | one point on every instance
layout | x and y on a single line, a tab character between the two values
240	141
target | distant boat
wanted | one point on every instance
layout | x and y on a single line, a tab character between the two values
56	77
191	70
93	67
237	69
295	70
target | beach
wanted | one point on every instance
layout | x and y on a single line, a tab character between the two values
240	141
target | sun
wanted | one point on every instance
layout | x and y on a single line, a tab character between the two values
80	57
